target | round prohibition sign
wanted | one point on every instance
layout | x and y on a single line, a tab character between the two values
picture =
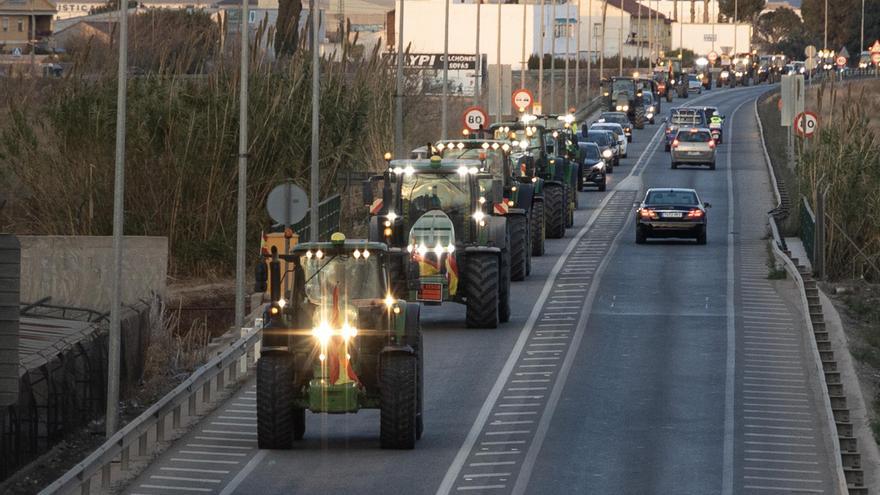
841	61
806	123
522	99
474	118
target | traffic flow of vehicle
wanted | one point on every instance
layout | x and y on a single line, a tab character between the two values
467	231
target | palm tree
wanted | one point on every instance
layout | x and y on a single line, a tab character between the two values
693	11
705	11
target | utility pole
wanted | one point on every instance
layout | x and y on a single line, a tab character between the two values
735	28
825	41
567	53
602	42
862	37
498	61
114	336
577	60
315	182
444	99
552	106
541	59
398	96
620	42
478	70
638	40
525	61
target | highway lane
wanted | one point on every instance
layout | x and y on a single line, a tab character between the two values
341	453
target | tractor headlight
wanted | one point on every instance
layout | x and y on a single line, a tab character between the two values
389	301
323	332
625	108
479	216
348	332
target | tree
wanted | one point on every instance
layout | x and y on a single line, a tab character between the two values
693	11
773	27
705	11
844	22
287	27
746	10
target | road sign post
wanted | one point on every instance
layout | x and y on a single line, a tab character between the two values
475	119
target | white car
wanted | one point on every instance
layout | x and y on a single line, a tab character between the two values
618	130
694	84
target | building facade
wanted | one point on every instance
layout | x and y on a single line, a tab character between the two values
24	24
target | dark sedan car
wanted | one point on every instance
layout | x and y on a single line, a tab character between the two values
607	146
671	212
592	168
618	118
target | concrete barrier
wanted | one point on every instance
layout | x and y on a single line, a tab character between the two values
77	270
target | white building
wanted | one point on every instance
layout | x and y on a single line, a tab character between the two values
423	26
705	38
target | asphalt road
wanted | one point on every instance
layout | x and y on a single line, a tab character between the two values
660	368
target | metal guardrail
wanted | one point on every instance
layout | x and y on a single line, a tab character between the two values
210	377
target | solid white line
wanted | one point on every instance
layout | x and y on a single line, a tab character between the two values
225	439
498	463
757	459
201	452
514	432
233	484
177	488
210	446
482	487
518	452
783	452
763	427
782	470
506	442
484	475
243	433
206	461
783	489
795	480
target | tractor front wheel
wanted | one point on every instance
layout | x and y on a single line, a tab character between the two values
639	118
537	227
482	290
518	247
277	420
554	198
398	382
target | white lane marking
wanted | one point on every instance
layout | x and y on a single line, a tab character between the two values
498	453
786	452
205	461
520	405
783	489
520	413
514	432
482	487
243	433
226	439
212	446
796	437
782	470
764	411
781	461
246	470
497	463
778	420
795	480
177	488
181	478
194	470
221	423
784	444
767	427
240	411
202	452
484	475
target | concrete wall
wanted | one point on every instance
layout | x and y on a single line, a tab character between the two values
77	270
9	286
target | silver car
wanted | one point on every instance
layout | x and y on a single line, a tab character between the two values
693	146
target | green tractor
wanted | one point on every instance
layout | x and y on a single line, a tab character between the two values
436	214
624	94
523	208
540	158
337	342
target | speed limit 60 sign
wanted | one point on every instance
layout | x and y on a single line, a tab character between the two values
475	118
806	123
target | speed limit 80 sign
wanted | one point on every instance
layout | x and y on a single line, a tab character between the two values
475	118
806	123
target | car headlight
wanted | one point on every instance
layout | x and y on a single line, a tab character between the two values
625	108
598	167
607	153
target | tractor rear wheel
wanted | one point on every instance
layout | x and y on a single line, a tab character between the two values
504	285
277	420
482	290
537	227
398	382
554	198
518	246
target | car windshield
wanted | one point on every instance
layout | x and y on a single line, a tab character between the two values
623	87
671	197
599	137
690	117
610	129
590	150
694	137
342	277
617	118
494	158
425	192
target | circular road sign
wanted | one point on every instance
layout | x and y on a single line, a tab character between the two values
806	123
875	57
713	56
841	61
522	99
475	117
287	204
810	51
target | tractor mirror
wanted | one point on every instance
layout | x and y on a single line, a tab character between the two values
261	275
367	192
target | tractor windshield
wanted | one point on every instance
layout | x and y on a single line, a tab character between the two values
332	280
447	192
533	138
623	88
494	158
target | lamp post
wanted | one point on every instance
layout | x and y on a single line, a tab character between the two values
577	60
444	99
398	93
478	68
552	105
620	42
541	58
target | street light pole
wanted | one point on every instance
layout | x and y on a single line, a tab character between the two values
577	60
444	99
638	40
567	53
315	178
525	61
398	96
552	106
541	59
735	30
862	37
589	45
114	336
498	62
825	41
478	70
602	41
620	42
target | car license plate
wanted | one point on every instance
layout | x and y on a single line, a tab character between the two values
431	292
693	152
672	214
